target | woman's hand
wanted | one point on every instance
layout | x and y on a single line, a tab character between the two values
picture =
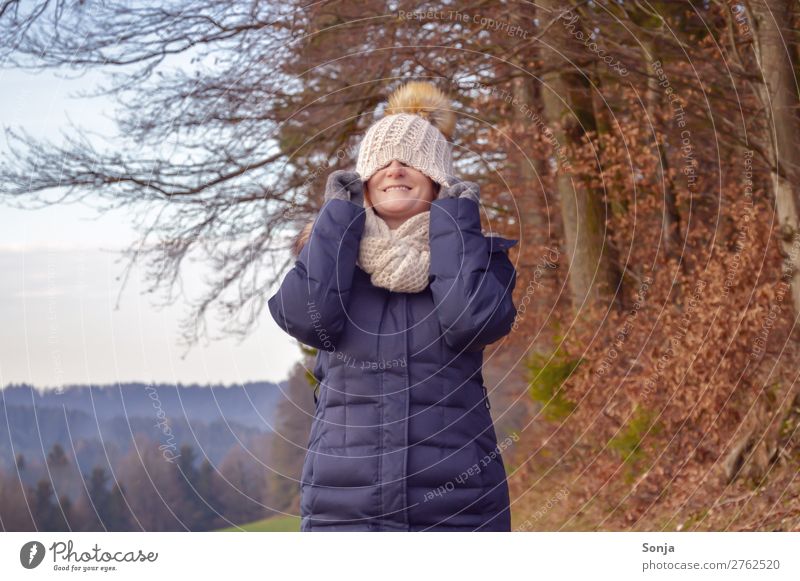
460	189
345	185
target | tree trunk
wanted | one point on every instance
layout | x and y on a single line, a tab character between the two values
670	224
529	169
569	112
757	447
780	99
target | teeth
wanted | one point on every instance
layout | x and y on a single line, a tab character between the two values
403	188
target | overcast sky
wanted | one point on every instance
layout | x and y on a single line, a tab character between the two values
59	290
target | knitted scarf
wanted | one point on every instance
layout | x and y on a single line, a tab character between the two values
397	259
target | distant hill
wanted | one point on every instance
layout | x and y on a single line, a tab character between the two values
98	421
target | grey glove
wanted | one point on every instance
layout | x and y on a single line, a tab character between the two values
460	189
345	185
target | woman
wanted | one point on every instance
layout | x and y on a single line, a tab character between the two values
400	292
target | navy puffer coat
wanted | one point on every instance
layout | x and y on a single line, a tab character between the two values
402	438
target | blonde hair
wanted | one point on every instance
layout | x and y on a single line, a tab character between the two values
302	237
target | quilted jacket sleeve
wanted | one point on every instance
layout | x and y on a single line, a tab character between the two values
471	277
311	301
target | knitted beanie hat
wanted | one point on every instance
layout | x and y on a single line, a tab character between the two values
415	130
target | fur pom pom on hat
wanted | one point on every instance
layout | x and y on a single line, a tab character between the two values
415	129
424	99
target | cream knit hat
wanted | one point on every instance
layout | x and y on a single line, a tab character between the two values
417	123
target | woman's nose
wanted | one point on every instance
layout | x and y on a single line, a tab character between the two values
394	166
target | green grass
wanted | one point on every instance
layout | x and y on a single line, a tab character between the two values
546	374
628	442
275	524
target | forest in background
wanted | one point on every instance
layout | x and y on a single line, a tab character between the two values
645	155
150	457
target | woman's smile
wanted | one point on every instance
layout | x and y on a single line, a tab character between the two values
397	188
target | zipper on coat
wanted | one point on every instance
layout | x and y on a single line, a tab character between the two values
486	398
